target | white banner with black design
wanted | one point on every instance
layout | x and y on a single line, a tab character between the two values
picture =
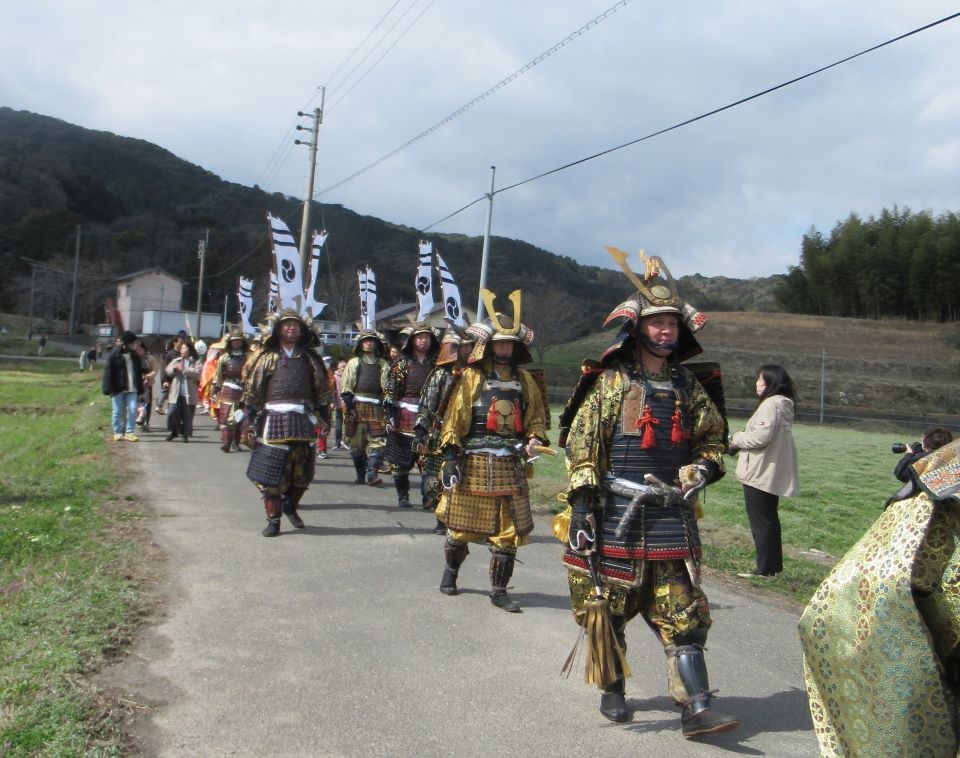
368	299
287	260
424	283
311	306
245	298
273	304
452	308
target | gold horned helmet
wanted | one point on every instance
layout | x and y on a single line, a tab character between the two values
499	327
656	293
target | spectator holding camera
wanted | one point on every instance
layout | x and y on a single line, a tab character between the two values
767	466
933	438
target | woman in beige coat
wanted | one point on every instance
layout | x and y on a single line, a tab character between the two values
184	376
767	467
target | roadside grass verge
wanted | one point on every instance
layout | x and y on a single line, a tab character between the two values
846	476
68	592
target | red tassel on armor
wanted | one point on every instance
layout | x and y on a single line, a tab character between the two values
645	423
676	429
517	417
492	424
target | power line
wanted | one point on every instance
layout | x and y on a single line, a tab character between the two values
707	114
338	69
498	86
276	161
384	55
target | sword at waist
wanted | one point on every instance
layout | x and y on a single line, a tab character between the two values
653	492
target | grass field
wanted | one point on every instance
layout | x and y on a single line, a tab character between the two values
68	593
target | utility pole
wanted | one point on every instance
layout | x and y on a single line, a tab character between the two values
823	381
308	194
73	294
202	255
33	288
485	255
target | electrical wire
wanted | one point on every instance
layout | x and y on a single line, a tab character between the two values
707	114
498	86
338	69
373	49
383	55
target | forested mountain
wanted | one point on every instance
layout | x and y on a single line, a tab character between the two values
140	206
900	265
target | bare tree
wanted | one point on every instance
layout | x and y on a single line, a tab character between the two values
552	315
339	291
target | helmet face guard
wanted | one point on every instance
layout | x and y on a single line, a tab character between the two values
656	293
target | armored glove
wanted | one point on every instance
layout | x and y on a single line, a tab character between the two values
695	478
419	438
450	473
390	411
348	402
582	532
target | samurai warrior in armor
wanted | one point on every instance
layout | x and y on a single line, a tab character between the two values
228	391
287	393
402	403
455	348
643	438
494	421
365	378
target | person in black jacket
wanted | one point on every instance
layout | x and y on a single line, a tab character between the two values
933	438
122	381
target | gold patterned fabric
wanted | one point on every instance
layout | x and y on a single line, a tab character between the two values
881	637
668	601
474	515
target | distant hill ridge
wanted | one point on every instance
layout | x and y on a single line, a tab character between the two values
141	206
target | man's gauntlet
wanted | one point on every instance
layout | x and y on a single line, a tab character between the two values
450	473
695	477
582	532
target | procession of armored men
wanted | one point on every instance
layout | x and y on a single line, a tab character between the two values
643	435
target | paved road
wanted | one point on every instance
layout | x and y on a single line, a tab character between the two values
334	641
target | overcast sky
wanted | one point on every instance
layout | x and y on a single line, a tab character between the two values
219	84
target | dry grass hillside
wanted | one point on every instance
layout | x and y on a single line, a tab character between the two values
873	369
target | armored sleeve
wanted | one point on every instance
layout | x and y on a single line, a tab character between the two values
535	412
591	429
255	385
456	421
706	440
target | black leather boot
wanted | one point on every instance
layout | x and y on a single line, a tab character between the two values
501	569
613	701
454	554
402	484
289	507
272	506
360	465
698	717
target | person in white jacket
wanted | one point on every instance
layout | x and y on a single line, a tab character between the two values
767	466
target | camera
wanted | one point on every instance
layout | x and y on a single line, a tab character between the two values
899	448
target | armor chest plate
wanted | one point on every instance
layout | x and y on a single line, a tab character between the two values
652	435
368	379
498	409
233	367
417	374
292	380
